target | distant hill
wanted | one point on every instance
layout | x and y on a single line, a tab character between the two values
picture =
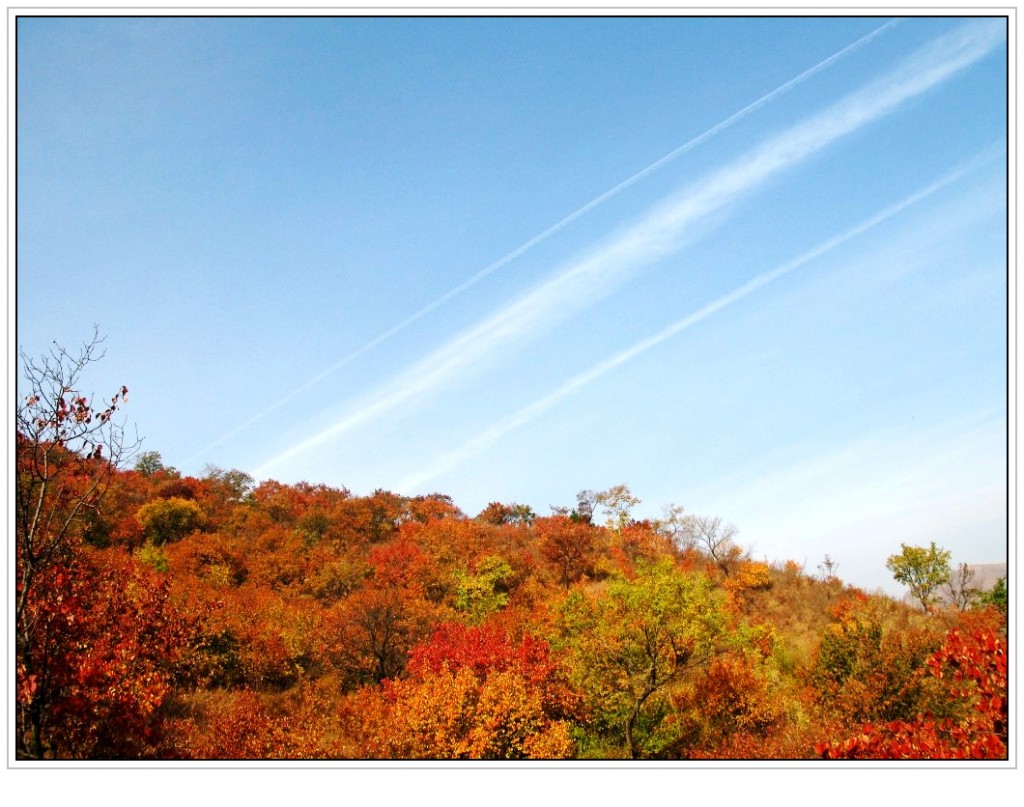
987	574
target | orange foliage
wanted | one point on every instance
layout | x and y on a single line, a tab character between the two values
460	715
749	576
734	696
246	724
569	546
369	633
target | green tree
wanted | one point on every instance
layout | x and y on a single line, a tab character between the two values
996	597
486	591
149	463
921	570
235	484
630	642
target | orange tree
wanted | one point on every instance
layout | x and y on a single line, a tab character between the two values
568	545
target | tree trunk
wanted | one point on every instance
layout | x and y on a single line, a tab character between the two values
634	713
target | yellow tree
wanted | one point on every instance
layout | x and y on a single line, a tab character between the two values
922	570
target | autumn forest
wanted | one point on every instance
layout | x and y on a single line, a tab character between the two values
161	616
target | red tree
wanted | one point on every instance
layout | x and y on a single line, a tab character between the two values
67	450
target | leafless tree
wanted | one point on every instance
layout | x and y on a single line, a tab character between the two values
828	568
709	534
586	501
960	587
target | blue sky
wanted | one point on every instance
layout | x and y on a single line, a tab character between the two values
751	266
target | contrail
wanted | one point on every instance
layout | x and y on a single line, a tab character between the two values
664	230
550	231
539	407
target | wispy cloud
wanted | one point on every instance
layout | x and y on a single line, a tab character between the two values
664	230
550	231
529	413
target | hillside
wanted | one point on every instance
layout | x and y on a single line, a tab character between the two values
212	618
